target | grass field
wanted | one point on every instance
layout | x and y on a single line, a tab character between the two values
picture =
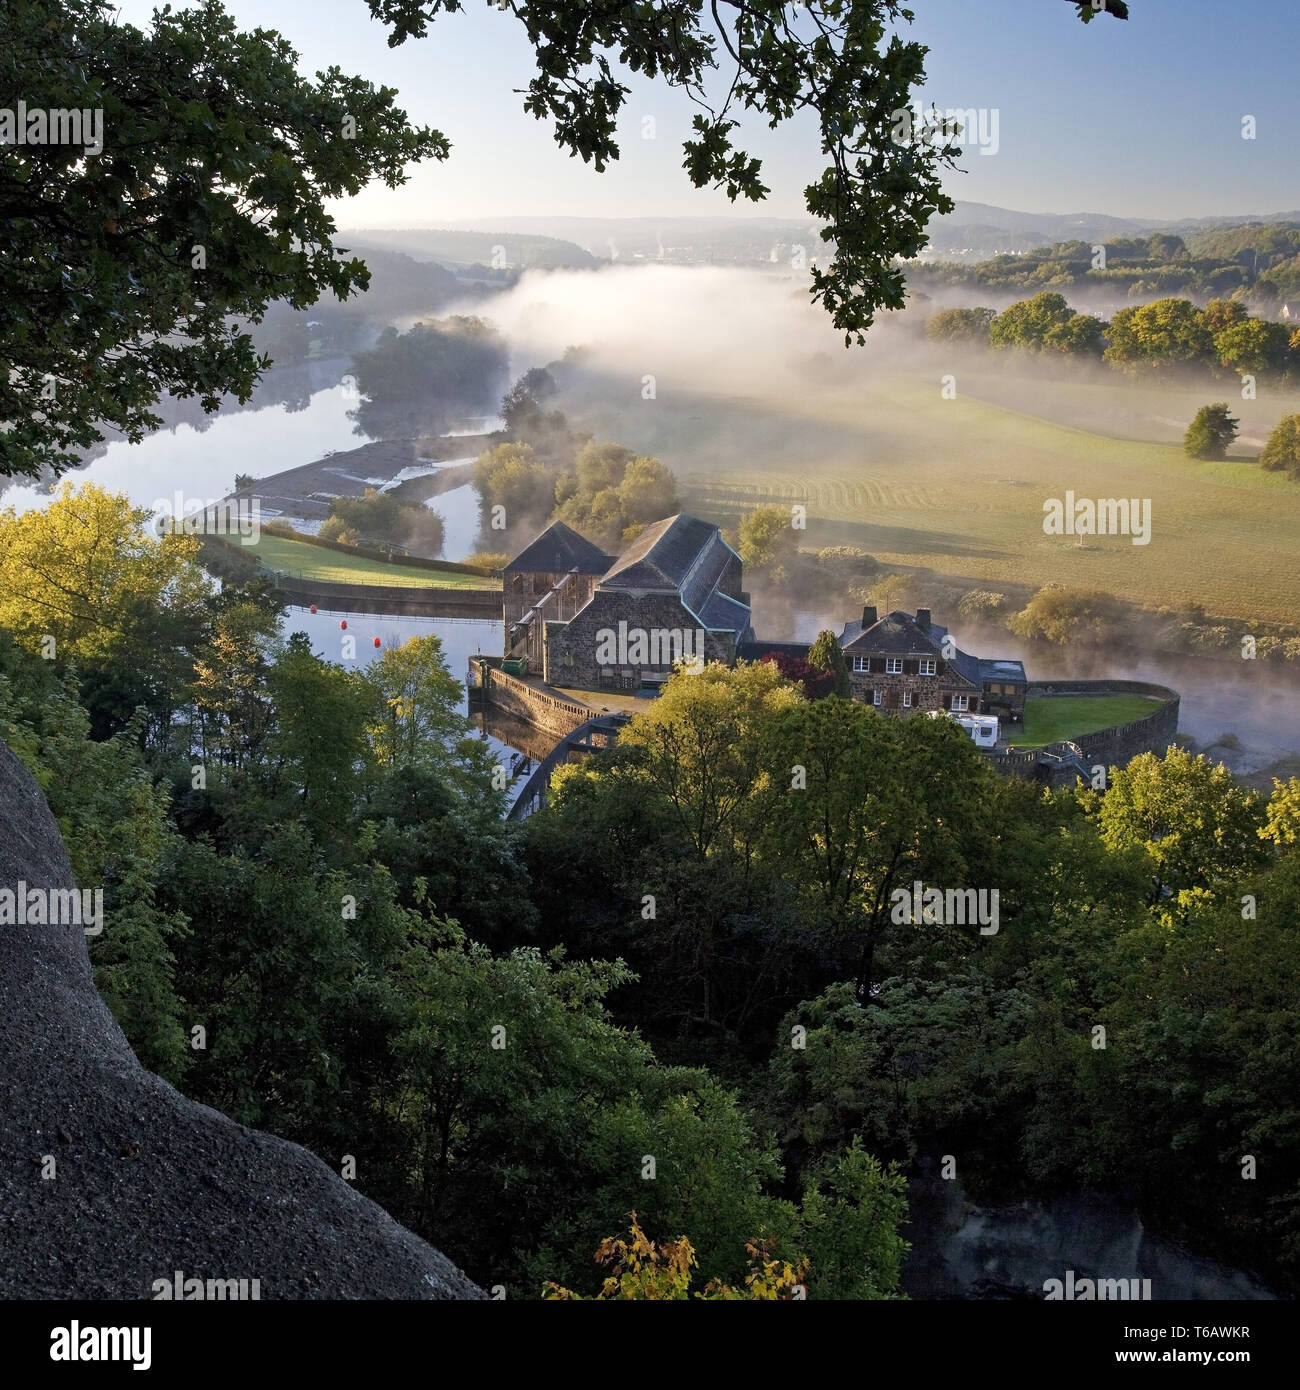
1051	718
332	566
956	488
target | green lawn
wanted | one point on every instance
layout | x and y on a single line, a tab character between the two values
332	566
1049	719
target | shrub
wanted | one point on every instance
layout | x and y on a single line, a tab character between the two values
842	563
982	603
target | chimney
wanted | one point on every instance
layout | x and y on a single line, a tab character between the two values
923	619
868	617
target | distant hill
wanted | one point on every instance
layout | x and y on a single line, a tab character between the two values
459	249
689	240
972	232
977	231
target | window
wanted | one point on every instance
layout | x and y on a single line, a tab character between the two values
960	702
925	666
907	699
862	663
893	666
877	697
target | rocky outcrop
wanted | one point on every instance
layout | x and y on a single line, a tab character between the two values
144	1183
1009	1251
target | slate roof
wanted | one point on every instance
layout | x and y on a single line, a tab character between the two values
687	557
558	550
896	634
1013	671
756	651
722	613
662	556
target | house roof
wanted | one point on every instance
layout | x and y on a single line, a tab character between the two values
558	550
896	634
1013	671
899	634
756	650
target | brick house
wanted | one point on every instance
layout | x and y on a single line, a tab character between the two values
554	578
901	664
673	594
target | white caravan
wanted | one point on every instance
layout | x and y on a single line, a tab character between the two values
982	729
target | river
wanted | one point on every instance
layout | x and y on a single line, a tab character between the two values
297	416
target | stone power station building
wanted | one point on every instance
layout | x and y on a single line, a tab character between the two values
587	620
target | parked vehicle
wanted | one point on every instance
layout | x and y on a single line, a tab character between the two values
984	730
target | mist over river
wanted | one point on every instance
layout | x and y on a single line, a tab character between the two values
299	414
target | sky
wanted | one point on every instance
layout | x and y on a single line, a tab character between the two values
1135	119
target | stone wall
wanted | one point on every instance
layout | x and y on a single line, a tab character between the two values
559	598
524	591
927	692
518	698
390	599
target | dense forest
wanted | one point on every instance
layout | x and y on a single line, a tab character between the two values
685	989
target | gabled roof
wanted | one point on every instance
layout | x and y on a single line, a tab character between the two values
896	634
558	550
663	555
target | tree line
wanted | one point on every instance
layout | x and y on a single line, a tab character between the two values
1143	340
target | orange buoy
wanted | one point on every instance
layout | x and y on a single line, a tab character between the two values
376	641
344	624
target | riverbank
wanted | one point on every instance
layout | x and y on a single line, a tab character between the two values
431	466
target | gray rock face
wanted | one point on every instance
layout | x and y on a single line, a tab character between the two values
146	1182
1010	1251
